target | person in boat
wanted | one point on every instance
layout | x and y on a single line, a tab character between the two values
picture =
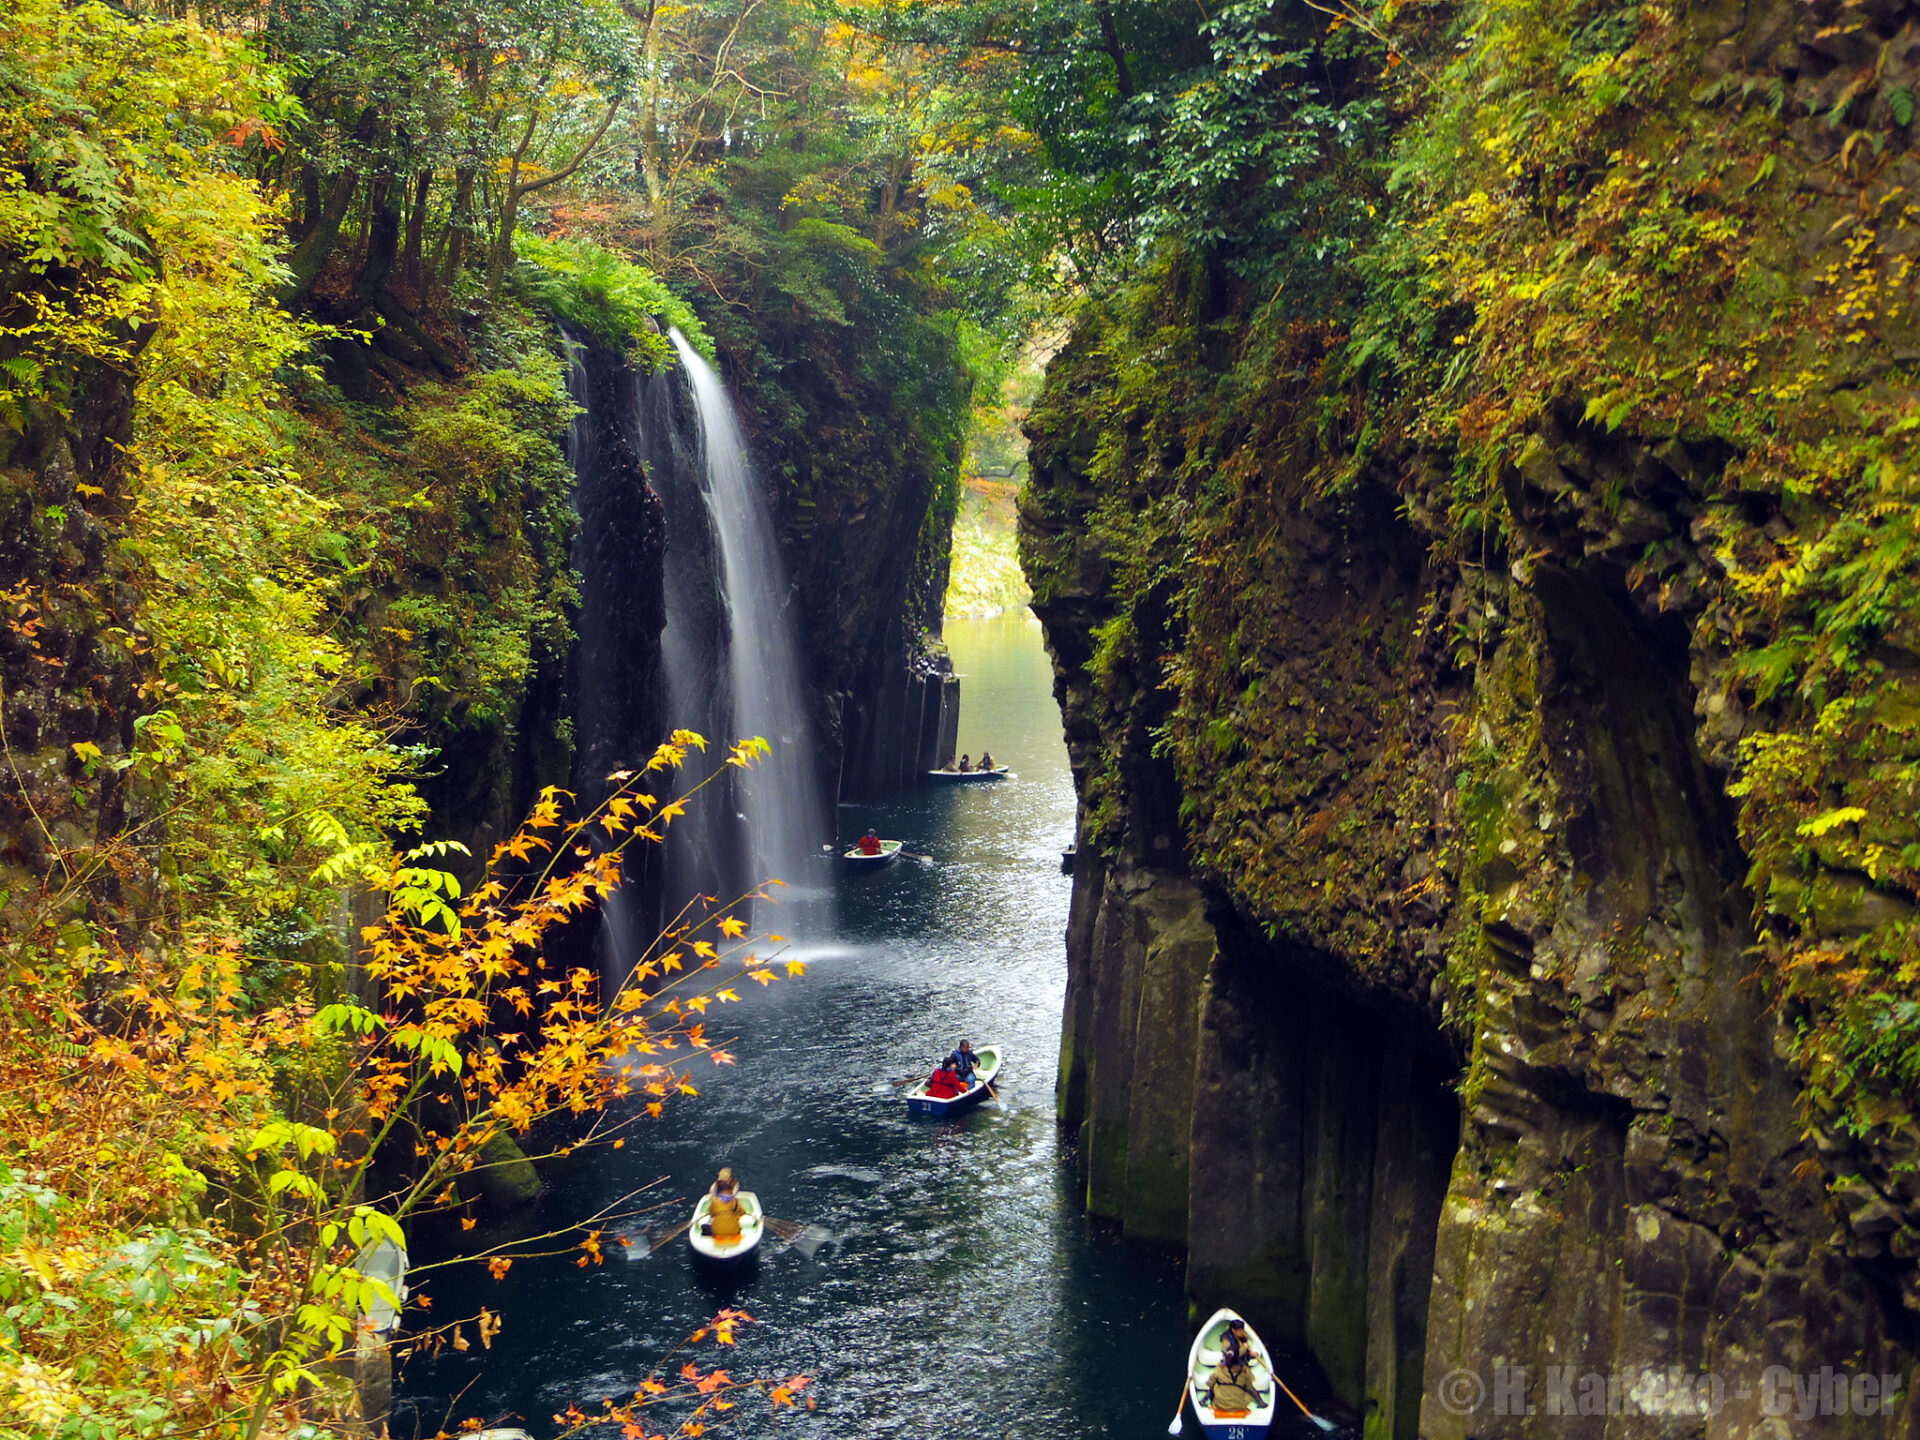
723	1214
986	760
963	1061
1234	1345
869	843
966	764
945	1082
1231	1389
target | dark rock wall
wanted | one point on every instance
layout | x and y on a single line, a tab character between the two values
906	725
1459	1064
70	650
860	447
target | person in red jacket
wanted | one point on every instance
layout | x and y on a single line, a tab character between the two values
945	1083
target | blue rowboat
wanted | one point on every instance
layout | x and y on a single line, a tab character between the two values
1205	1354
985	1068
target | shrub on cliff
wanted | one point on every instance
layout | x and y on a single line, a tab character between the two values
619	303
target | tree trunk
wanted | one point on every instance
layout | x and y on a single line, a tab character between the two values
457	225
310	202
1110	33
515	191
416	234
311	253
383	240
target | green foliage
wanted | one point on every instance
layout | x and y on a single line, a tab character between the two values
621	304
92	1327
111	128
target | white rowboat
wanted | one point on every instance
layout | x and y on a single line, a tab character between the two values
997	773
859	860
1205	1354
753	1226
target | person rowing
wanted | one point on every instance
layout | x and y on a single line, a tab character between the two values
869	843
723	1212
1235	1345
986	760
964	1061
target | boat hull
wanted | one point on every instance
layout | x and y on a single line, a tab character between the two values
1201	1359
889	850
1233	1429
921	1103
753	1229
964	777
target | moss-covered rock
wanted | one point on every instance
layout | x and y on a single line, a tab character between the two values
1539	695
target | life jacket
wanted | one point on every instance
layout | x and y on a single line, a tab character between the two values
869	845
723	1215
1230	1389
965	1062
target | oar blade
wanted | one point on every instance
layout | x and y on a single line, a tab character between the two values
644	1242
1176	1425
807	1239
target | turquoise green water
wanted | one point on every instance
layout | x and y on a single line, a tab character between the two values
963	1293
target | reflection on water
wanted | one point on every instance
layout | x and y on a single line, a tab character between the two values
953	1286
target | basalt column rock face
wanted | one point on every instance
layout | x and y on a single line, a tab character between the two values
615	679
861	460
1409	928
615	675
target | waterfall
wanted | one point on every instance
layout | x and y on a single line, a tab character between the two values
780	797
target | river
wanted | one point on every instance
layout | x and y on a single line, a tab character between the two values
964	1293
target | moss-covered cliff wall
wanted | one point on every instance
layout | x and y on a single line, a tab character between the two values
1486	684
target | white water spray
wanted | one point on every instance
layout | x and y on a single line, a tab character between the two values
781	799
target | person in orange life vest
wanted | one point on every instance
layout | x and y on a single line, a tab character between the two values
723	1215
945	1083
869	844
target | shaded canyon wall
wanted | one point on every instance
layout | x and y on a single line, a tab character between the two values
1416	1002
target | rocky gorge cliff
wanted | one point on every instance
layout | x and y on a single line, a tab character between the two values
1488	940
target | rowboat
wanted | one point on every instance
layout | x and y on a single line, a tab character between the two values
859	861
728	1252
986	1067
1229	1424
998	772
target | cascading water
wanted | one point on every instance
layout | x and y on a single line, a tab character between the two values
780	797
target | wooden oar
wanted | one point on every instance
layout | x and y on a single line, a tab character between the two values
657	1242
1326	1425
1181	1409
